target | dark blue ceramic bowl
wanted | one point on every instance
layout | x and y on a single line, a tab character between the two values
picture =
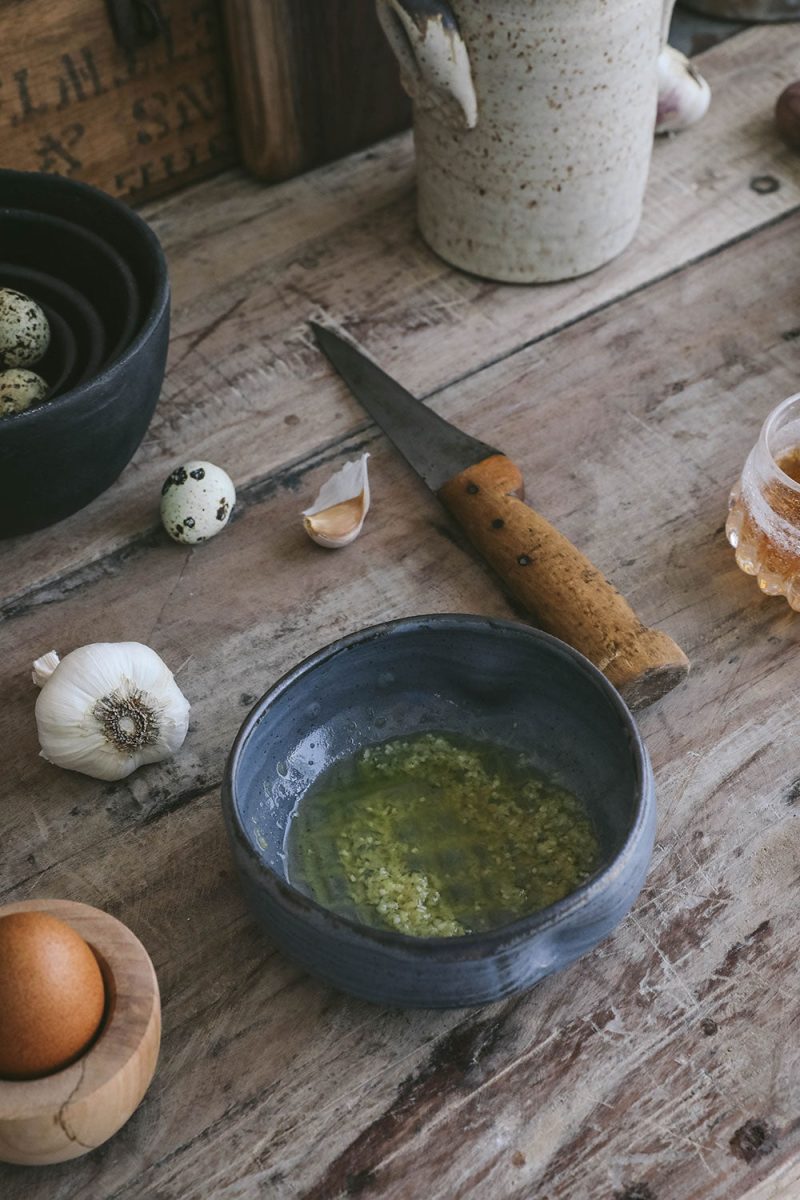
491	680
99	273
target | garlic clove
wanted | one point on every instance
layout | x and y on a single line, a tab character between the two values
338	525
108	708
337	515
683	94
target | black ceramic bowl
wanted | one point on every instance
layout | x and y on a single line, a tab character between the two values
99	273
491	680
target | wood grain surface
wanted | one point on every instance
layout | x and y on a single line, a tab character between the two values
310	81
136	123
664	1065
249	266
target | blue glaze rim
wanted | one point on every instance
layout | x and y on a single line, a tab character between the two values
470	945
153	316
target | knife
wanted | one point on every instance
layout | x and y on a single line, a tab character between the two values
482	489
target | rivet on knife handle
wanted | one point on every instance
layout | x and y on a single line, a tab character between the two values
559	586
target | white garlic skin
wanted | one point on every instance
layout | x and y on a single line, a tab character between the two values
683	94
19	389
197	500
91	691
24	330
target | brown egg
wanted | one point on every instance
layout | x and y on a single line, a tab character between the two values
51	995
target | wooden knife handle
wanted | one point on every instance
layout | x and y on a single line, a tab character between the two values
558	585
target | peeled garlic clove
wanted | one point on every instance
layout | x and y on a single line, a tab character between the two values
108	708
683	94
337	515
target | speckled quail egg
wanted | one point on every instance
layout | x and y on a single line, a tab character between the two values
196	501
19	389
24	331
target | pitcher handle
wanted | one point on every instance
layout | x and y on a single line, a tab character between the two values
434	62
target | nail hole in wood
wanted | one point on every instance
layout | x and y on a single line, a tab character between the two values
753	1140
635	1191
764	184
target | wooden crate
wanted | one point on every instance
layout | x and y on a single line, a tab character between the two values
136	122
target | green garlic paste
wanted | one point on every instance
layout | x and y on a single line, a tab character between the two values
436	837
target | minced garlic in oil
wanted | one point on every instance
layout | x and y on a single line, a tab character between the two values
436	837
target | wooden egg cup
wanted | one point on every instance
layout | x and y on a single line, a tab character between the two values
71	1112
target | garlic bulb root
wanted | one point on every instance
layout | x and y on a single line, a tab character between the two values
108	708
683	94
337	515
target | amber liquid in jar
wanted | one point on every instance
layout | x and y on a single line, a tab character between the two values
763	526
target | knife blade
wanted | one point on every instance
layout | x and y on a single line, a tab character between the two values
482	489
434	448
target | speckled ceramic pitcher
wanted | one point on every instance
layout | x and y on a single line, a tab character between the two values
533	122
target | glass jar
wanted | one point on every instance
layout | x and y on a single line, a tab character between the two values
763	523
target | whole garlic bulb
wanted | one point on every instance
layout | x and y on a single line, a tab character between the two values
683	94
108	708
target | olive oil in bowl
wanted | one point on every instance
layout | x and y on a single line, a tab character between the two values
437	836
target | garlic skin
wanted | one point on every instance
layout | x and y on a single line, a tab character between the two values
337	515
108	708
683	94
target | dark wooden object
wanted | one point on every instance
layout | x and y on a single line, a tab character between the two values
312	80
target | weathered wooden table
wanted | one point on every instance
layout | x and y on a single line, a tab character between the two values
665	1065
